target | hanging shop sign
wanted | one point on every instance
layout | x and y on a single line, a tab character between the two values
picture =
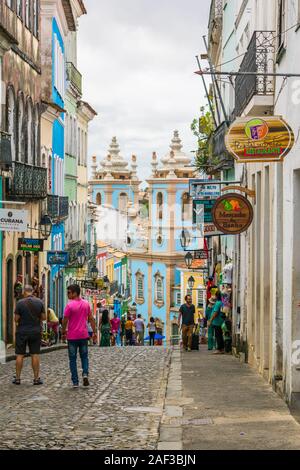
59	258
201	255
86	284
259	139
30	244
202	210
204	189
13	220
232	214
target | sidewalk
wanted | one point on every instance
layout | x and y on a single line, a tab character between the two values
216	402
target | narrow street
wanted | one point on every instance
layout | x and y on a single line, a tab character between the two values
136	401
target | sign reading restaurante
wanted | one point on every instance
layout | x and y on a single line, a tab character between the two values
259	139
232	214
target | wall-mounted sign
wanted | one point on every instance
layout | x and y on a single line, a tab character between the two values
13	220
59	258
205	205
91	285
260	139
232	214
210	230
30	244
204	189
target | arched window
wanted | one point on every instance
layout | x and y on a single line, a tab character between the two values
186	207
37	154
123	202
29	140
159	203
159	289
139	296
11	120
98	199
21	129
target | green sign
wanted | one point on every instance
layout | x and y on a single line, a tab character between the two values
208	205
30	244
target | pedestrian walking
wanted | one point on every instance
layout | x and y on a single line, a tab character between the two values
211	342
139	326
152	331
29	315
77	315
187	317
216	320
123	331
53	323
129	331
115	329
105	330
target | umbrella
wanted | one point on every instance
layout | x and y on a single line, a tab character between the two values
156	337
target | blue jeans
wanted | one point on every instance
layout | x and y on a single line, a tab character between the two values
73	346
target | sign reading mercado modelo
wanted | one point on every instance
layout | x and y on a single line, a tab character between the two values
232	214
259	139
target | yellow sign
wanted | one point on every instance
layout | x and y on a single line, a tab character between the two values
259	139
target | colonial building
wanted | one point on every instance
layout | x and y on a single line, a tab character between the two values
20	72
266	257
152	243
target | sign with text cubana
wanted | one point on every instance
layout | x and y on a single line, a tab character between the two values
232	214
259	139
13	220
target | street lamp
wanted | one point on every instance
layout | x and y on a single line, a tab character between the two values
81	257
46	226
189	260
191	283
185	238
94	273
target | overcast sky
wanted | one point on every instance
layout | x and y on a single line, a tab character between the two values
137	58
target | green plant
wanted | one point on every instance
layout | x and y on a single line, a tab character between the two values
203	129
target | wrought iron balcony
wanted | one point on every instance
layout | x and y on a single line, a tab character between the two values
57	207
219	151
63	207
260	57
28	182
74	77
5	149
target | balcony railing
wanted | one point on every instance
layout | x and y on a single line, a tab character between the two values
219	150
57	207
5	149
260	57
28	182
74	77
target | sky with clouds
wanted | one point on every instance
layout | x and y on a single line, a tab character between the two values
137	58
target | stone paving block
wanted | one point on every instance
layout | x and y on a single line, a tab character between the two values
170	433
169	446
173	411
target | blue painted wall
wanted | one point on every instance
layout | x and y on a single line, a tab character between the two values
156	311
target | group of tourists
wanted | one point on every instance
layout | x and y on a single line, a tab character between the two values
78	328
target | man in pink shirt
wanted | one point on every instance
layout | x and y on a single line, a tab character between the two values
76	317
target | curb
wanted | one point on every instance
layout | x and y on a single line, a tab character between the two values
12	357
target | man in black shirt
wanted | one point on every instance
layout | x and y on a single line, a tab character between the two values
29	315
187	313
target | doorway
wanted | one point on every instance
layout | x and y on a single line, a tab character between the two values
9	302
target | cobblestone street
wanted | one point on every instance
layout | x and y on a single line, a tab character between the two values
103	416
